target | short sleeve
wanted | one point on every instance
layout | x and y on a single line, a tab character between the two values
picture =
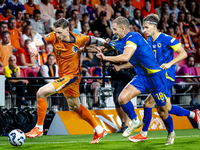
49	38
131	42
83	39
172	42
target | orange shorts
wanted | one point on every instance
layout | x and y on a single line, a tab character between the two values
68	85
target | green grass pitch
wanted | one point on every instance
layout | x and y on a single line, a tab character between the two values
185	140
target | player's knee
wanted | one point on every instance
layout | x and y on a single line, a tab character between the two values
40	94
163	115
73	107
122	99
148	104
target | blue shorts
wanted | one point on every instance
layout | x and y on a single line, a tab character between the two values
170	83
155	83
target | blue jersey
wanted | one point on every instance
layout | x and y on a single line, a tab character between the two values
164	47
15	6
143	59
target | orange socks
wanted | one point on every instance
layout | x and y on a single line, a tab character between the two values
87	116
41	110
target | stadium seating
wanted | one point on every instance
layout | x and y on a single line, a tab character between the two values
31	71
197	69
1	70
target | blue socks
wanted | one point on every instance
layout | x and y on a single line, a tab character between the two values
129	110
177	110
147	118
169	124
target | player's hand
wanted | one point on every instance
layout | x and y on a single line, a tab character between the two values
116	67
99	54
32	48
108	40
165	66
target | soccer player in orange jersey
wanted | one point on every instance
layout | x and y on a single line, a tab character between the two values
66	46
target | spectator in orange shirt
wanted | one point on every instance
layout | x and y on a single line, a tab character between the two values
104	7
63	7
170	31
7	12
48	50
147	9
30	7
55	3
3	27
14	33
23	56
19	15
86	29
187	40
5	49
177	32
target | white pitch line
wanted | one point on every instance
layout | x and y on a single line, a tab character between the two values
123	139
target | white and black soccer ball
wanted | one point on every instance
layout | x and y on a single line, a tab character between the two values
16	137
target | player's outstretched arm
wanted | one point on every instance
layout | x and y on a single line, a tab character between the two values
182	55
97	41
125	57
123	66
32	47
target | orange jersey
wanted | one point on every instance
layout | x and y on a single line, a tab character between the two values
30	9
2	18
67	54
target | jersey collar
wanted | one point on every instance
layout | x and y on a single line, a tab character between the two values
157	36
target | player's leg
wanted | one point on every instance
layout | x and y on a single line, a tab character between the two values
42	94
118	87
157	85
84	113
148	105
133	89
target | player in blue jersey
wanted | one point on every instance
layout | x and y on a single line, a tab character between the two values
133	48
163	46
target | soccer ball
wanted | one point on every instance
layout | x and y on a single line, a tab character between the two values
16	137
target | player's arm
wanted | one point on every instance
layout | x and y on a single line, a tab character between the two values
97	41
125	57
123	66
33	46
182	55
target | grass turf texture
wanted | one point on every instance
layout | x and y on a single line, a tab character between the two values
185	140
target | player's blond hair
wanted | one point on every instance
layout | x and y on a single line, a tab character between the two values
122	21
152	19
62	22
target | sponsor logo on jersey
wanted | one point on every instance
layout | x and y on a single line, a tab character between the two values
154	46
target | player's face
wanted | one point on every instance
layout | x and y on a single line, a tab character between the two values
118	31
148	29
61	33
